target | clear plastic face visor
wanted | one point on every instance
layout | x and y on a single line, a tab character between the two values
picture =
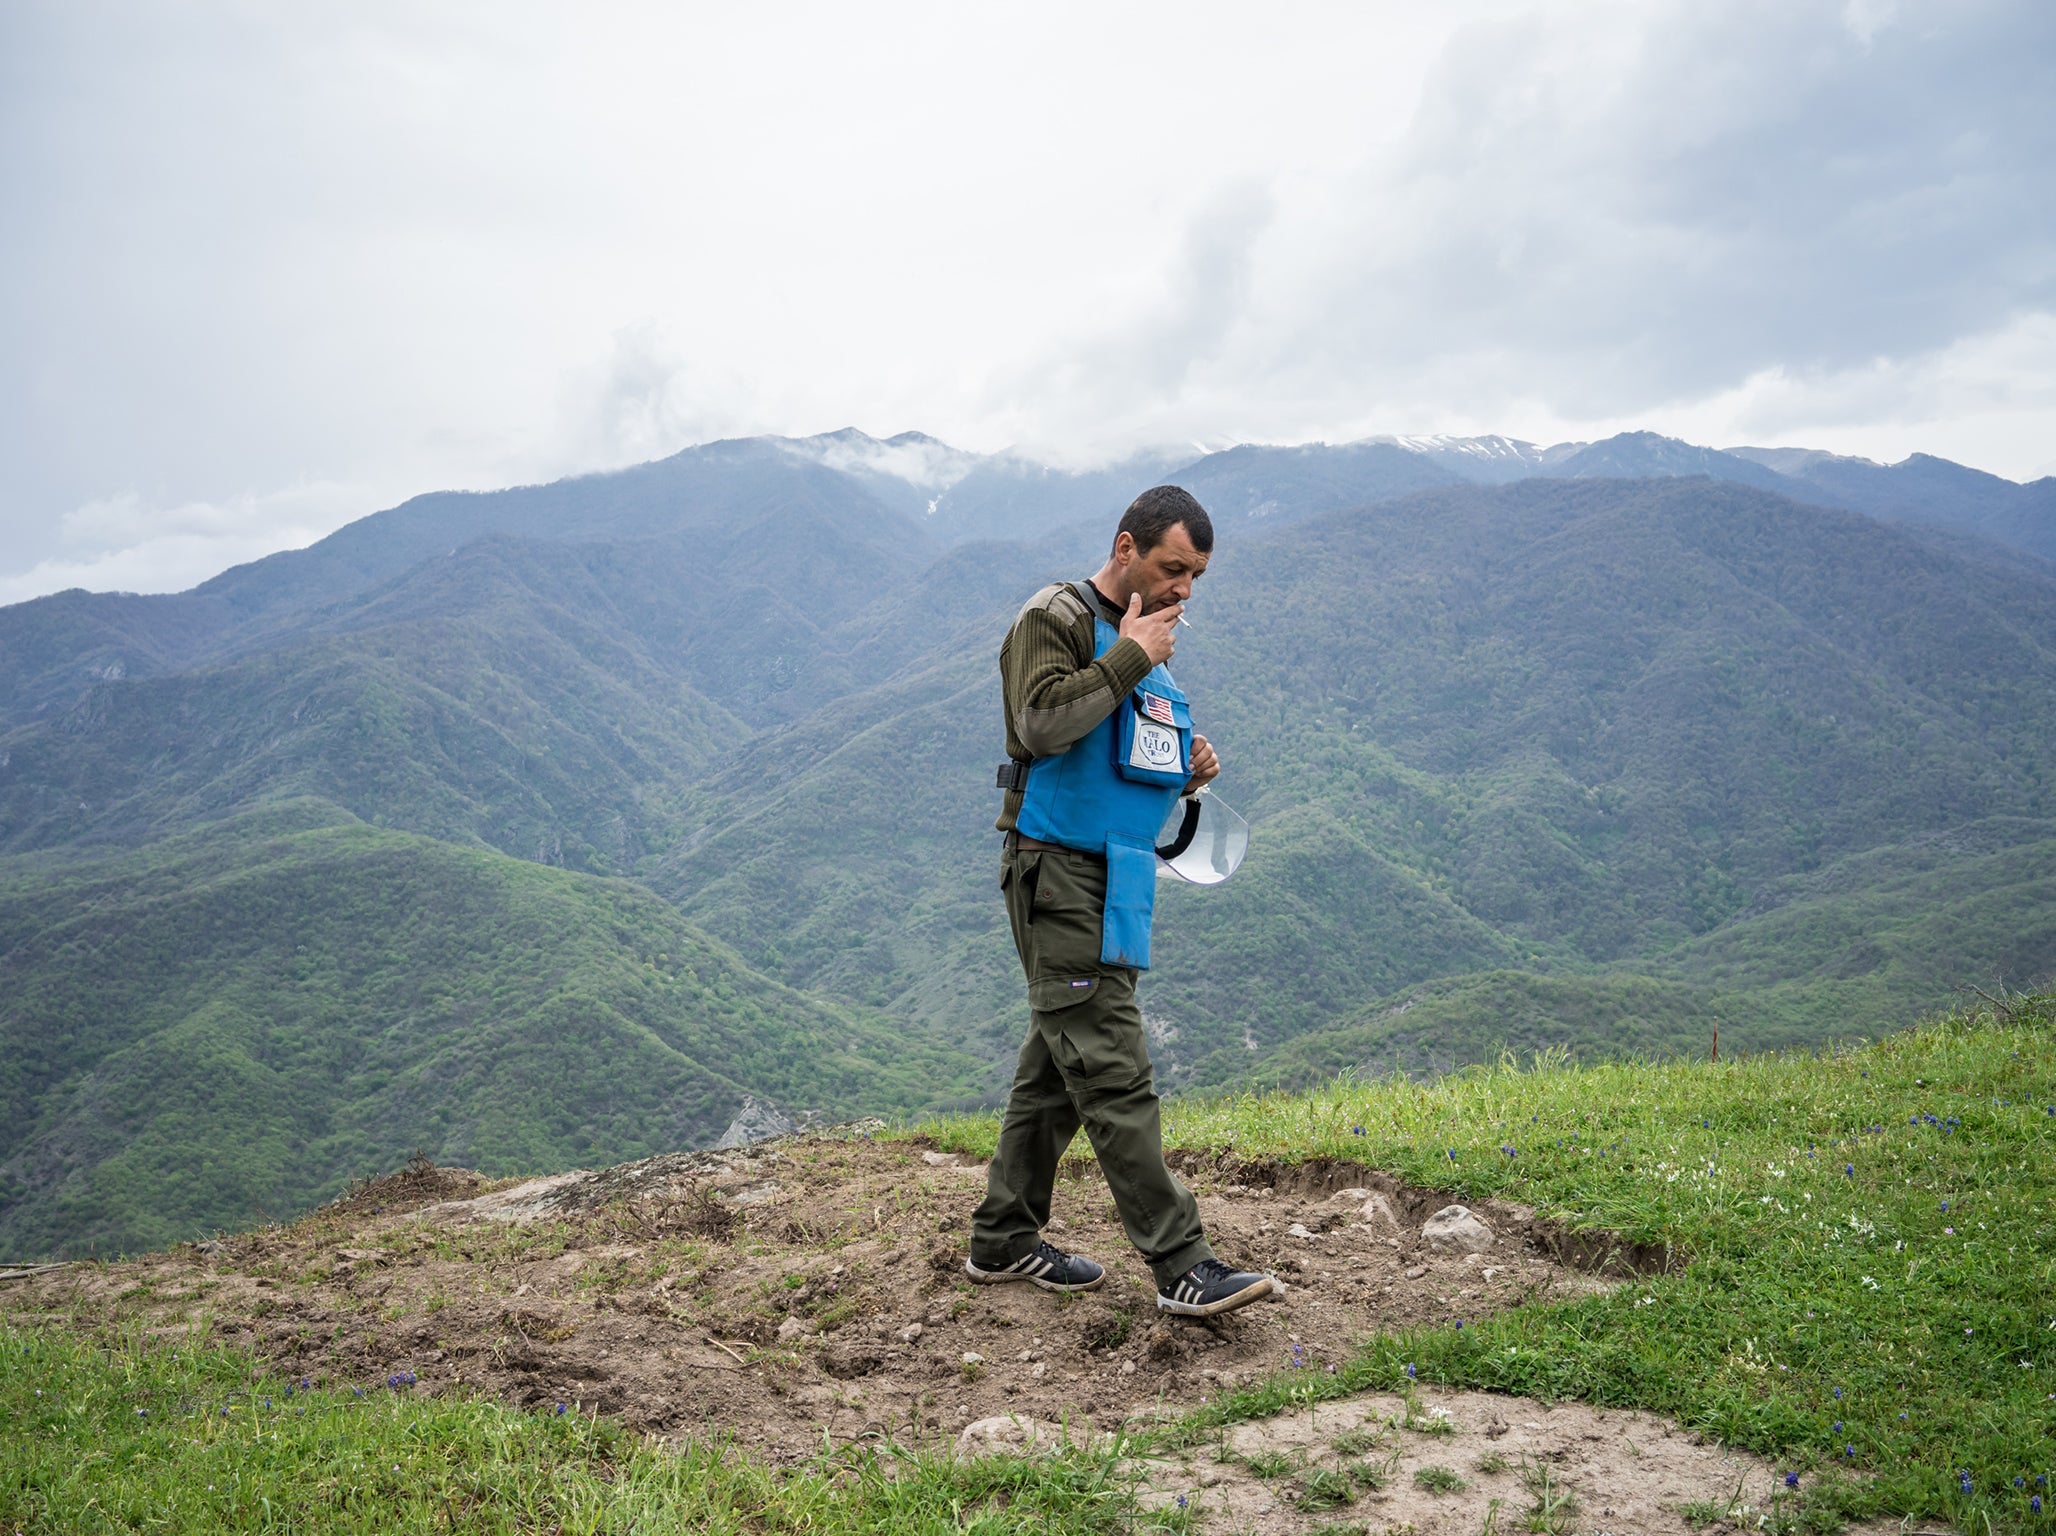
1202	841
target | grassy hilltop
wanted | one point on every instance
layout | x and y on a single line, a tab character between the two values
1863	1248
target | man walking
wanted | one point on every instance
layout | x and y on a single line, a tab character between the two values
1100	747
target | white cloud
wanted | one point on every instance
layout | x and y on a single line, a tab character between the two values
122	543
1618	213
401	249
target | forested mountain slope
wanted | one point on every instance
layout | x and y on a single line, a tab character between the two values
1563	724
236	1021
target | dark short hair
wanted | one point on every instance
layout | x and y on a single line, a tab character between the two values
1153	514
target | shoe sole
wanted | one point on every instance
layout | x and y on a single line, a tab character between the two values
1241	1298
979	1276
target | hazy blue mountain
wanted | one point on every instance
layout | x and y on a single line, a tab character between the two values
1924	489
1011	496
1650	456
1278	485
758	500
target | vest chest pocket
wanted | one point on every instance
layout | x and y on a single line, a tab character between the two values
1154	743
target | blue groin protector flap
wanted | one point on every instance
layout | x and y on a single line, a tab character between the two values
1131	901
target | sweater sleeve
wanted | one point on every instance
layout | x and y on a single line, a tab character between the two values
1053	695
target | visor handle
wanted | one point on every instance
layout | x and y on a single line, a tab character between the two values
1187	830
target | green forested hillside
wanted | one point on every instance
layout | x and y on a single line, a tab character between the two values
238	1020
1556	726
1589	762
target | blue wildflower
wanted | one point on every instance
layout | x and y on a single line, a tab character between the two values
1838	1394
1791	1479
1410	1371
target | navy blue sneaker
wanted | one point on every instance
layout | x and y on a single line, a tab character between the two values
1211	1287
1047	1266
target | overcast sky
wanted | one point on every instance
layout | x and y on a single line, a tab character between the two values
268	268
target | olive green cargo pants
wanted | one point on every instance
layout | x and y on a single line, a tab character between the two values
1085	1063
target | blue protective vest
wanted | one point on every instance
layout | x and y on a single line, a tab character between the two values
1110	792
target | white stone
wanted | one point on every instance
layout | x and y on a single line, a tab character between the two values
910	1333
1007	1434
1378	1214
972	1357
939	1159
1454	1229
794	1328
1298	1229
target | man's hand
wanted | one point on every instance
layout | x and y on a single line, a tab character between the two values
1156	633
1206	767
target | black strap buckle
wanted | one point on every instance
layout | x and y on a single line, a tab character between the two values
1013	774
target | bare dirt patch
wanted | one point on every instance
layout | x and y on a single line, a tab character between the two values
1470	1461
802	1286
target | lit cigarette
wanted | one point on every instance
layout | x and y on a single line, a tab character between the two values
1185	621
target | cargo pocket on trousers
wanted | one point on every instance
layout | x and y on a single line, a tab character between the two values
1053	993
1097	1053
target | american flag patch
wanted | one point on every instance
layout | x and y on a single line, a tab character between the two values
1158	709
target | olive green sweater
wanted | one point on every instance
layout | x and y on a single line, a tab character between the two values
1053	689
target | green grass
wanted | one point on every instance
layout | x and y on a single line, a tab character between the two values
1823	1309
113	1437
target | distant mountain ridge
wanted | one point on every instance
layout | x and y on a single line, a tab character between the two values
917	492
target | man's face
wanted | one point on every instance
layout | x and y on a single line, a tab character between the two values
1163	575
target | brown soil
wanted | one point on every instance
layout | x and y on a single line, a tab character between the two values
804	1286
